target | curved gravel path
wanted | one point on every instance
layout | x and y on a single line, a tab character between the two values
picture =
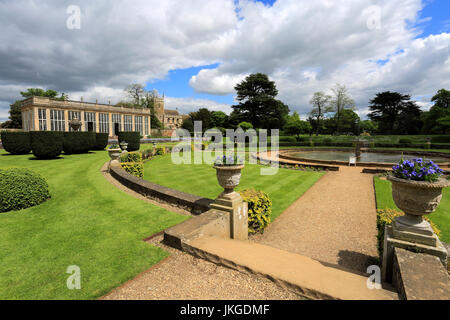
334	221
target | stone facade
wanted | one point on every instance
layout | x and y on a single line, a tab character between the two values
171	119
44	114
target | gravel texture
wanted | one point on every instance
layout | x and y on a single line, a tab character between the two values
183	276
334	221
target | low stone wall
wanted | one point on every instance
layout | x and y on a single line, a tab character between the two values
285	154
280	161
194	204
419	276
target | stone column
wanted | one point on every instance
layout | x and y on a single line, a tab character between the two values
35	119
110	134
238	210
66	120
97	124
83	124
49	121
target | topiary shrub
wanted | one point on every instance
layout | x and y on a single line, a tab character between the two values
134	168
133	138
46	144
21	188
101	141
386	217
16	142
259	209
78	142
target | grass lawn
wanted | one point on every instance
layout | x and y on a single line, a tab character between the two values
87	222
440	217
200	179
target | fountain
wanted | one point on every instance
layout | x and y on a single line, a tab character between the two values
359	143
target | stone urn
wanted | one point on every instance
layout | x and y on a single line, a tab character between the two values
124	146
416	199
75	124
228	177
114	154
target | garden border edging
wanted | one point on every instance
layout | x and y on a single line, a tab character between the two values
194	204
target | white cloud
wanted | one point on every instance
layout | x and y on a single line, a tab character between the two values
305	46
186	105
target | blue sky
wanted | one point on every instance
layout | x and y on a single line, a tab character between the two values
177	85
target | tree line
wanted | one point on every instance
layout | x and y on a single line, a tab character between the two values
258	107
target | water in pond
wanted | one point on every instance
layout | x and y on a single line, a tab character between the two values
365	156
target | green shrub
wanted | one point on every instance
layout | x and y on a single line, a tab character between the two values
46	144
259	209
16	142
131	157
101	141
441	139
133	138
404	141
78	142
328	141
160	151
21	188
386	217
134	168
146	154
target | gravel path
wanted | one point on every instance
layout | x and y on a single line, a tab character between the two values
183	276
334	221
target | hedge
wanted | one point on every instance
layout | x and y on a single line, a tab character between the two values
134	168
101	141
133	138
16	142
78	142
259	209
441	139
46	144
21	188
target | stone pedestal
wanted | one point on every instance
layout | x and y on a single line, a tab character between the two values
399	235
238	209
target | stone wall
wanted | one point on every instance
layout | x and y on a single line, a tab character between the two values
418	276
194	204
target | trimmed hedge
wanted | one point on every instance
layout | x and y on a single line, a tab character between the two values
78	142
46	144
101	141
134	168
259	209
21	188
441	139
133	138
16	142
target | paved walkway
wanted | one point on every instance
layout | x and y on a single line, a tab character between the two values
334	221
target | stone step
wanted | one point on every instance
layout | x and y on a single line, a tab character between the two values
309	277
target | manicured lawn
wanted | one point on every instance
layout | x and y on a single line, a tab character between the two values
440	217
200	179
88	222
